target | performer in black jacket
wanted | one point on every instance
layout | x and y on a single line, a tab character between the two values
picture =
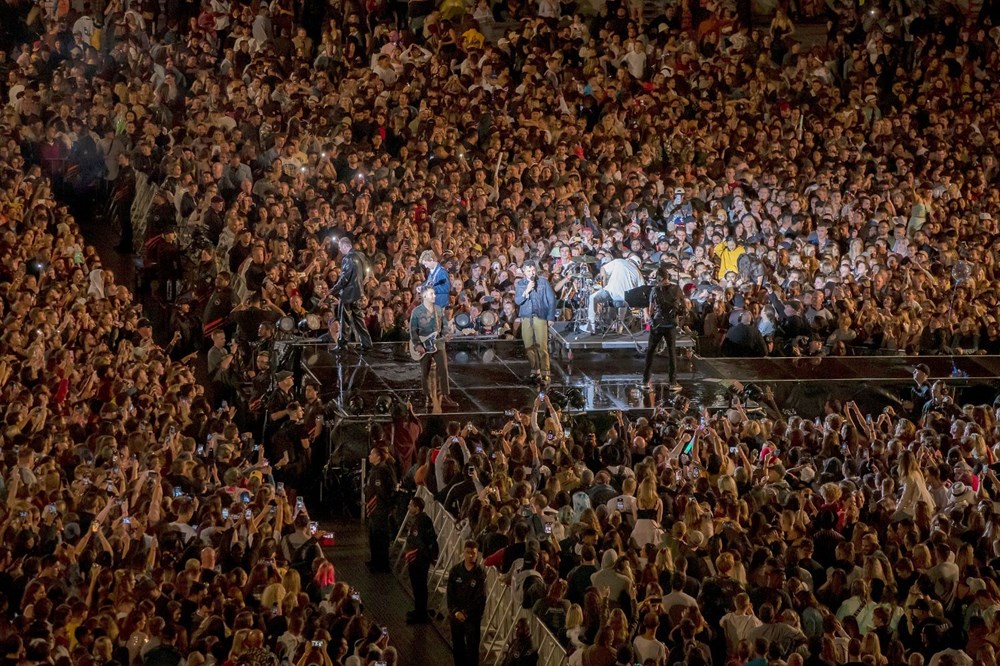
420	551
666	305
349	288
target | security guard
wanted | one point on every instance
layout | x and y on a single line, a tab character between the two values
421	551
466	604
380	490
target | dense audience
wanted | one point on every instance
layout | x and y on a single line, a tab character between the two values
739	538
843	194
140	524
838	200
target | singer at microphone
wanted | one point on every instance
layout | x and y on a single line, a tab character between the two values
537	309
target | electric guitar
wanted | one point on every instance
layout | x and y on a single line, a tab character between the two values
428	346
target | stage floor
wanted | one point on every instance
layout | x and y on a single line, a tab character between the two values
567	341
489	377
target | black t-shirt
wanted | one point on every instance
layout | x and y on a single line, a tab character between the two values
288	439
237	255
254	276
667	302
248	321
219	305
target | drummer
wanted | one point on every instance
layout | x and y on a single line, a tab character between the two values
618	276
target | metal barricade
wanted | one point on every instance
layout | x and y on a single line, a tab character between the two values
550	650
500	620
144	191
502	611
500	617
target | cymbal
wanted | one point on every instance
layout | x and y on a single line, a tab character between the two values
584	259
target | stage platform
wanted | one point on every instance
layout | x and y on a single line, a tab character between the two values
566	340
490	377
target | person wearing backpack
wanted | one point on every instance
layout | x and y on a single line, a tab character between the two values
300	547
579	577
421	551
527	583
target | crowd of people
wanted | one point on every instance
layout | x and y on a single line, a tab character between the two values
734	537
842	195
140	523
839	199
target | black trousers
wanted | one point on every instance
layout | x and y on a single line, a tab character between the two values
352	321
418	570
378	543
124	213
465	641
656	334
439	358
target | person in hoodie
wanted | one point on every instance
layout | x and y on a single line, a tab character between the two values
608	578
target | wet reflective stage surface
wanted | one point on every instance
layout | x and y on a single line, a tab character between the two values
490	377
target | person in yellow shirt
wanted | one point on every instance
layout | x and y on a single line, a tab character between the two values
729	254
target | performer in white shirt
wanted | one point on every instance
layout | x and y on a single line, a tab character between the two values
619	276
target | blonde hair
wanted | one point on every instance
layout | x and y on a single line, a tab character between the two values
272	594
292	582
870	646
831	492
647	496
574	617
619	625
725	562
727	485
665	560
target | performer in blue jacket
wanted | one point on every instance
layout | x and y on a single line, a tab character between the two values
537	309
437	279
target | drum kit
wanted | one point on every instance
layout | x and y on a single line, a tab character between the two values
579	287
582	284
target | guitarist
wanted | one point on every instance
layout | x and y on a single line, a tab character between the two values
428	319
